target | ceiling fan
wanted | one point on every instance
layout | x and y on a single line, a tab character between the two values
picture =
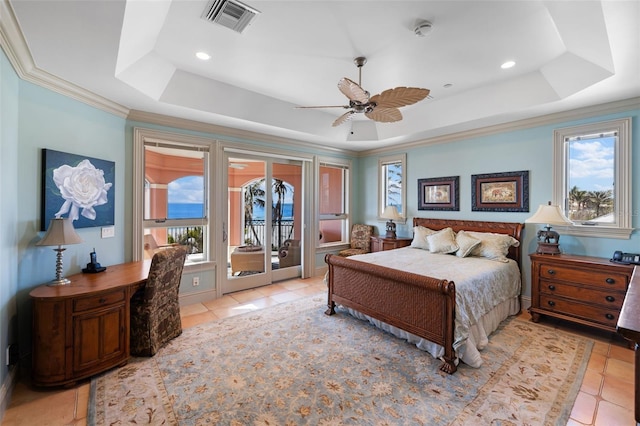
382	108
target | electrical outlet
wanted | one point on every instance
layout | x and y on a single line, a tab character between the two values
12	355
195	281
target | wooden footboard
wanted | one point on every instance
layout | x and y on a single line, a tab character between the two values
398	298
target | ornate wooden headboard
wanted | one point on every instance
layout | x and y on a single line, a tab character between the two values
509	228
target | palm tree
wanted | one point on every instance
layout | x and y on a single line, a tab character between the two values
253	195
579	198
601	199
280	189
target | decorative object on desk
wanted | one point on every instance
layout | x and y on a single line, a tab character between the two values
548	240
93	266
80	187
391	213
60	233
439	193
500	192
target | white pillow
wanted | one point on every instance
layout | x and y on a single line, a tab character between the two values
466	243
420	234
493	246
443	241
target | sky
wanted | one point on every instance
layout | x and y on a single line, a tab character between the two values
188	189
591	164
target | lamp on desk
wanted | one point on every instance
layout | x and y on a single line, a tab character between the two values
548	240
391	213
60	233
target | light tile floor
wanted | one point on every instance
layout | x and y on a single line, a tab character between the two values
605	398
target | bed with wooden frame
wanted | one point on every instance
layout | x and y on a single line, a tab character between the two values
421	305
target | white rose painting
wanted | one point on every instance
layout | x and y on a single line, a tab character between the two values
79	188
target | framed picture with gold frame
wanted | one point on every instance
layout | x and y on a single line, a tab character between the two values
500	192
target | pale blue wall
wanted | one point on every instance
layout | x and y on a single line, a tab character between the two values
8	213
530	149
50	120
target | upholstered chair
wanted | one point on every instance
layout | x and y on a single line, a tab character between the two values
360	240
289	253
155	309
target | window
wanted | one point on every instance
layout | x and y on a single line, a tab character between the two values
333	203
592	178
391	176
172	207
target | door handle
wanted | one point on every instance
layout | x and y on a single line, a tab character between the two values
224	232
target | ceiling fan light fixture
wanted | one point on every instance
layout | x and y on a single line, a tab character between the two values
422	28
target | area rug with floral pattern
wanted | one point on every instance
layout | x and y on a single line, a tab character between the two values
293	365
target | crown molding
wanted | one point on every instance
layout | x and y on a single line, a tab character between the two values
15	47
543	120
229	132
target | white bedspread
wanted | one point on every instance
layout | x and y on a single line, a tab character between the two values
486	292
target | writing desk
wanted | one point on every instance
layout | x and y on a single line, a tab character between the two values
82	329
629	327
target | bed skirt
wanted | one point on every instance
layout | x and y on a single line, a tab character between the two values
467	351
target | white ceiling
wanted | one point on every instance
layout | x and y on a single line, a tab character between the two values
141	55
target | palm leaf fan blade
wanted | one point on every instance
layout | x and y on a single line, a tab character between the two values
343	118
352	90
384	115
399	97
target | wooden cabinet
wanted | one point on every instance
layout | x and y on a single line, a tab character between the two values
582	289
82	329
379	243
77	338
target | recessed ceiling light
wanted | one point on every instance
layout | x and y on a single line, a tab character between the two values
507	65
203	55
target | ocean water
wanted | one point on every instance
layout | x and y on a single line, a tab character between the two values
195	210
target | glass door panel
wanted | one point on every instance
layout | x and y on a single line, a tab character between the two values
287	202
248	242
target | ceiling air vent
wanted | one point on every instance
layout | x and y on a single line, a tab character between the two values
229	13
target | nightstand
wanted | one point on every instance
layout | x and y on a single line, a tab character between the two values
586	290
379	243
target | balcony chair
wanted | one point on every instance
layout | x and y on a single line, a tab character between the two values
360	240
155	309
289	253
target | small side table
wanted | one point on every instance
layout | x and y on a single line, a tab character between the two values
380	243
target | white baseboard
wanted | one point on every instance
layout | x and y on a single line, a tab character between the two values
7	389
197	297
525	302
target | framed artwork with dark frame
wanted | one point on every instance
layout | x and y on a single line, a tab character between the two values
439	193
78	187
500	192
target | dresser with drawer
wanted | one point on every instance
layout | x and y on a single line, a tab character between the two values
583	289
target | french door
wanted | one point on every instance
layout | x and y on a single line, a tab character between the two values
262	237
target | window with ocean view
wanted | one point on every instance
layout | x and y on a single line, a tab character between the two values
175	198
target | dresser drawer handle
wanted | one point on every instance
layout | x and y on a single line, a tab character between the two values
610	299
551	303
102	300
609	316
610	281
552	287
551	272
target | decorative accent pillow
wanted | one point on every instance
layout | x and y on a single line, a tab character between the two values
493	246
466	243
420	234
443	241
